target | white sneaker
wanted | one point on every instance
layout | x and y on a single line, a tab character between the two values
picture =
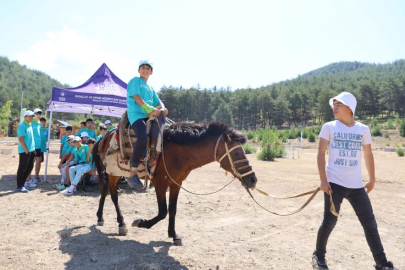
69	191
35	180
30	184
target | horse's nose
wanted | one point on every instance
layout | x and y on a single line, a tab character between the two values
253	180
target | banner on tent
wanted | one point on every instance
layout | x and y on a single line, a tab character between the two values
93	99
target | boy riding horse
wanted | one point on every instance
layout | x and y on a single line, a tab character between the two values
141	100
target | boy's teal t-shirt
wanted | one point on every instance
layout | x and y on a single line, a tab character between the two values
99	137
138	86
36	129
70	150
25	130
44	138
65	145
91	132
81	153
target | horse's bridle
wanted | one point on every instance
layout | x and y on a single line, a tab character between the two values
233	163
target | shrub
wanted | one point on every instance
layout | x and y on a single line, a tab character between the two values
311	137
376	131
250	135
400	152
401	128
249	149
386	134
270	151
390	124
373	123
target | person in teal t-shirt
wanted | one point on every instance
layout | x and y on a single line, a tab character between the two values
89	129
76	172
26	150
142	101
44	134
39	156
109	125
103	131
64	144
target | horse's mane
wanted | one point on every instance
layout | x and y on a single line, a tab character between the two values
186	133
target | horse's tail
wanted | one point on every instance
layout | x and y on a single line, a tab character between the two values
99	165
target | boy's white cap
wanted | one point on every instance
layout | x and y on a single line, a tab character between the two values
37	110
347	99
28	113
107	122
70	137
84	134
77	139
145	62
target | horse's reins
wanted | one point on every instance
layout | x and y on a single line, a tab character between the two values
240	176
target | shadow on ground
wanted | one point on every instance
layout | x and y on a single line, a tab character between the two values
8	186
89	248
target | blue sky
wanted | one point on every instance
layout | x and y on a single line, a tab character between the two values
210	42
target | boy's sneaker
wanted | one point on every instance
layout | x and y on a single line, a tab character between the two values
319	263
61	187
34	180
22	190
69	191
387	266
30	184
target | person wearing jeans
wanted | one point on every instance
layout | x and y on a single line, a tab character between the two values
341	178
26	151
142	102
76	172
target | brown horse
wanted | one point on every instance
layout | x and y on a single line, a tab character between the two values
186	146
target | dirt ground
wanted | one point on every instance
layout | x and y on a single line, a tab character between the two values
227	230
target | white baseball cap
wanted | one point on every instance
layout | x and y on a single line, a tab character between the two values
84	134
77	139
107	122
70	137
347	99
146	62
37	110
28	113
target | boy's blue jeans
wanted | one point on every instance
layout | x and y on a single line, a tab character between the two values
139	127
361	204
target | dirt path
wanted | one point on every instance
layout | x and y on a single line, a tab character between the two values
45	230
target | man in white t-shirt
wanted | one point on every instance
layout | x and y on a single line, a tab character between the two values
346	140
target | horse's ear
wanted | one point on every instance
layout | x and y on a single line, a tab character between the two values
226	137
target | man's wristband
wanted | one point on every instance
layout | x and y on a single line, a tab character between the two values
147	108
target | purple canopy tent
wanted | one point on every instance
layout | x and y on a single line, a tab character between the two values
103	94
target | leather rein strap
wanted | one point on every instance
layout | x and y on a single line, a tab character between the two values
240	178
313	192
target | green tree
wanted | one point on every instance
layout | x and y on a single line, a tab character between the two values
281	111
223	114
5	114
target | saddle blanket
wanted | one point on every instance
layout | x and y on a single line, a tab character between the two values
116	166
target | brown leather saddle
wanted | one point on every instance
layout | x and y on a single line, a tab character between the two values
127	139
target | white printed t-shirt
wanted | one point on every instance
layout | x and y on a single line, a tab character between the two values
345	152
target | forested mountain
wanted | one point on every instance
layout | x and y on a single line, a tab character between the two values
15	78
379	89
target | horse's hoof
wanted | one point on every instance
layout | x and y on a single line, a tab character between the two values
137	222
177	242
122	230
100	223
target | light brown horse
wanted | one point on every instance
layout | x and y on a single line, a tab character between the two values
186	146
